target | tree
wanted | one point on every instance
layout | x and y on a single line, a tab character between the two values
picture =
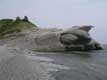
25	19
18	19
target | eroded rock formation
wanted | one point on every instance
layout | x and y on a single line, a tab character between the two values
79	39
76	38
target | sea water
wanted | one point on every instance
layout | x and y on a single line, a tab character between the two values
90	65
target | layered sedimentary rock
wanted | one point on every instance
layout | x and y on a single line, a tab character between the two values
76	38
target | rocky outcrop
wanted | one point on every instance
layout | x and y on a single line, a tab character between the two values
80	39
74	39
22	33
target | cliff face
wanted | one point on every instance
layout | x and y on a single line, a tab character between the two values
77	39
23	34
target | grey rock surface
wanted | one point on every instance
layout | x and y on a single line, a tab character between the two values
49	42
83	36
60	40
68	39
17	64
78	39
19	67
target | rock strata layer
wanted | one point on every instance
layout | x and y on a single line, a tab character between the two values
74	39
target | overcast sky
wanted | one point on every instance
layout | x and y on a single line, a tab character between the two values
60	13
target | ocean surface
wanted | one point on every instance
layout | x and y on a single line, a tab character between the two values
90	65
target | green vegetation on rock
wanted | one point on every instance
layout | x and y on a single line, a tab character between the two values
9	25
